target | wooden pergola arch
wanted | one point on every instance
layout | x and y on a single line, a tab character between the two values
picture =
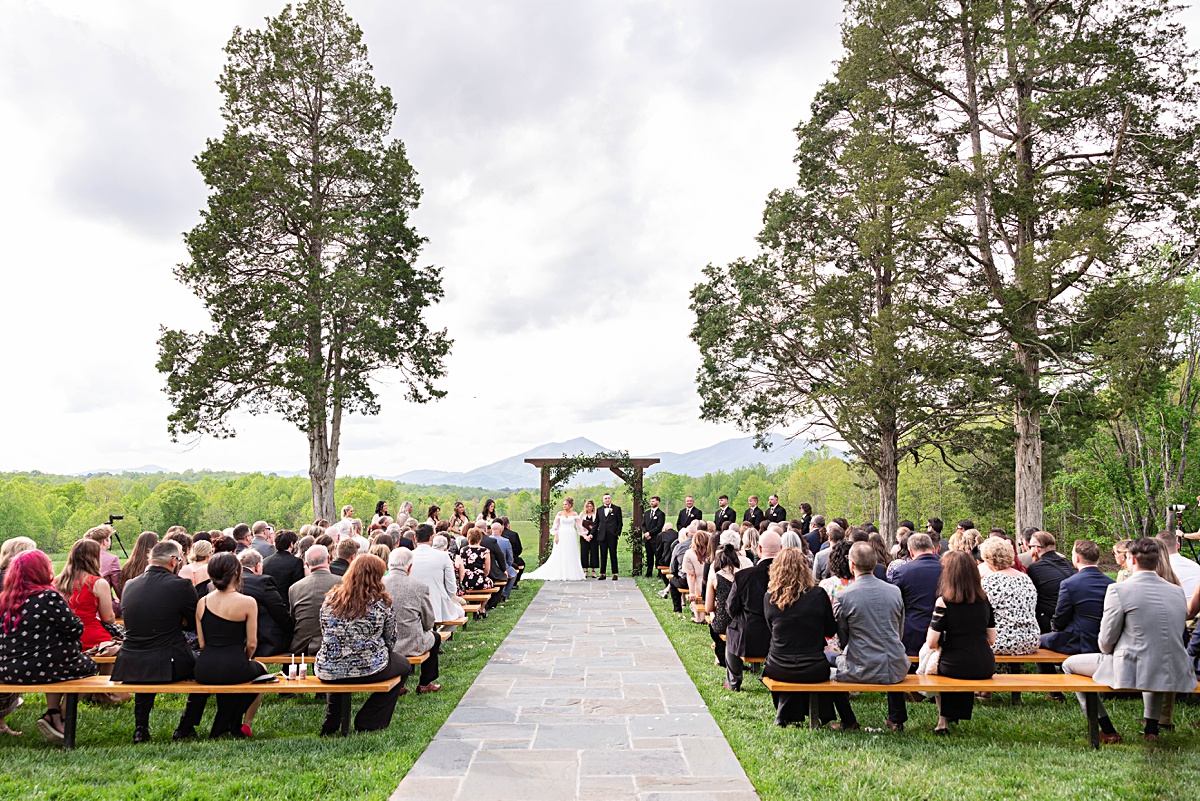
551	478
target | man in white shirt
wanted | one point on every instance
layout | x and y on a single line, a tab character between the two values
1187	570
434	569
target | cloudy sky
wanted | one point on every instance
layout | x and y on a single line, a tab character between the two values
581	162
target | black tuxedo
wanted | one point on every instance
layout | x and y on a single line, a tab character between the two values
285	568
726	514
514	539
777	514
653	521
686	516
609	525
753	515
748	633
275	624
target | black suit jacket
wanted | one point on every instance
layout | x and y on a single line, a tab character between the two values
610	525
653	521
338	567
514	539
499	574
1077	616
753	515
725	514
777	514
686	516
285	568
1046	574
748	633
664	543
158	607
274	622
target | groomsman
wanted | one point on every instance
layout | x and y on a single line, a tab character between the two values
775	512
753	515
688	513
724	513
609	526
652	525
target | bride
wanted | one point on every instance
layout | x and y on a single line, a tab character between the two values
564	563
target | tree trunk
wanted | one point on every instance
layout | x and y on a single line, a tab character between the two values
323	475
1028	425
888	473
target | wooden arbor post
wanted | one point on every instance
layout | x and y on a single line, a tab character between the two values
633	481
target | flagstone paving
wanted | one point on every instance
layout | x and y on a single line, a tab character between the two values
584	699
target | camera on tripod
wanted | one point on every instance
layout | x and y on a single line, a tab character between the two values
1178	507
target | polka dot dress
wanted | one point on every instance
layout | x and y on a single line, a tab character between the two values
44	645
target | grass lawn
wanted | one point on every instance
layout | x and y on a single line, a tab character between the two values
285	759
1038	750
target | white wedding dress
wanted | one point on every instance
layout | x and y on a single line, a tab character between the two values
564	563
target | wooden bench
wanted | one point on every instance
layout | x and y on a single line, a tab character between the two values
1013	683
278	659
750	660
450	624
71	691
1041	656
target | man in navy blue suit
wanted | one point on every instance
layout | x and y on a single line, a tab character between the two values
918	582
1075	627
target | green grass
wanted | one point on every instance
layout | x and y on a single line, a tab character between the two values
285	759
1038	750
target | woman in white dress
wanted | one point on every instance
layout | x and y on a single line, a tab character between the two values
563	564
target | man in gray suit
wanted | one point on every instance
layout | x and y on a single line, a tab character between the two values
870	621
414	617
1141	641
305	598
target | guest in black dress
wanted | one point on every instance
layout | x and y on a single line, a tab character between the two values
716	595
227	623
39	635
800	616
964	627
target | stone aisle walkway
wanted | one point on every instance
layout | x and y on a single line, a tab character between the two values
585	699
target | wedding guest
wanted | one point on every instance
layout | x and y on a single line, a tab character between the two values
814	533
262	535
241	536
750	544
918	582
1120	554
347	552
10	550
967	541
839	567
283	566
870	621
88	596
902	557
964	629
693	570
1075	627
1013	599
275	626
305	598
1185	569
875	540
196	571
433	567
136	564
748	633
1047	571
834	534
227	625
1140	641
358	632
226	544
791	539
497	531
498	563
159	607
799	617
39	636
415	620
716	596
110	564
475	563
514	542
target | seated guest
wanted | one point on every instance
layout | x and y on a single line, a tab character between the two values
750	545
497	530
799	617
347	550
227	625
902	556
792	539
875	540
302	547
358	632
414	617
716	595
815	532
110	565
663	546
1047	571
241	536
918	582
964	629
159	607
839	568
196	571
274	623
870	622
1120	556
1140	641
678	581
433	568
283	566
381	551
135	565
514	541
474	563
305	599
1185	569
748	633
1013	599
39	641
1075	627
224	544
88	595
834	535
10	550
498	564
694	563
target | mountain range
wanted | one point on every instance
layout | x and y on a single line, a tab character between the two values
513	473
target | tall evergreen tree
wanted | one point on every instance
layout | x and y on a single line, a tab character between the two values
305	258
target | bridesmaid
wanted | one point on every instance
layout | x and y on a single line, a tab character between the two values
589	549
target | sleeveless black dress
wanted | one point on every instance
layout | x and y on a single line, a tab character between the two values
223	659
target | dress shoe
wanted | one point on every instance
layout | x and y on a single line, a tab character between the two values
428	688
184	734
614	576
893	726
1150	738
244	731
836	726
1058	697
141	734
1110	739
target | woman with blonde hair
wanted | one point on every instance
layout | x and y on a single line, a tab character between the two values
800	617
88	595
693	565
10	550
1013	598
196	570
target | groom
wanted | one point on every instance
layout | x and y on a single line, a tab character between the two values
607	533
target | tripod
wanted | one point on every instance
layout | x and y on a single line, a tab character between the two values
117	536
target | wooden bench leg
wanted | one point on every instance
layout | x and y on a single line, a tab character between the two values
814	711
1091	705
70	713
347	702
1015	699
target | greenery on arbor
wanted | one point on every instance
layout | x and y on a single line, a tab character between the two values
1067	137
848	321
305	259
